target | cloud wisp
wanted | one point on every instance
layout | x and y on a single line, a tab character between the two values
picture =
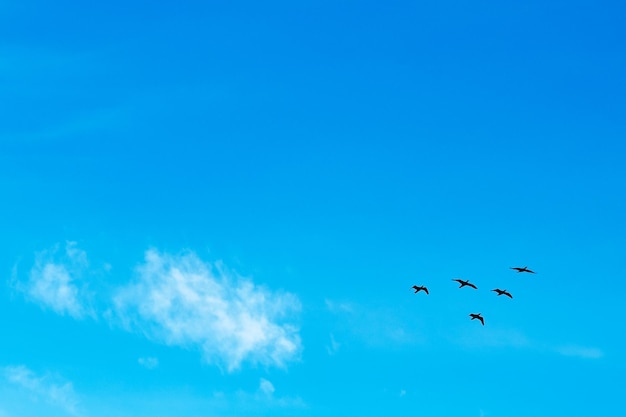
55	281
334	346
181	300
580	351
375	326
266	387
507	338
49	388
148	362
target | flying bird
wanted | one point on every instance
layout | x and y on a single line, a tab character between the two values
503	292
477	316
524	269
421	288
464	283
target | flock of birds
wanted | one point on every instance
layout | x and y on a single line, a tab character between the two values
466	283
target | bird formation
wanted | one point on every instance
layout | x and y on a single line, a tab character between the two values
466	283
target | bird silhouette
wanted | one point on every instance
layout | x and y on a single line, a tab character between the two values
421	288
477	316
464	283
524	269
503	292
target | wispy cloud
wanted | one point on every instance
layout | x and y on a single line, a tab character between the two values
52	389
580	351
184	301
265	395
334	346
55	281
266	387
509	338
265	399
492	337
339	306
148	362
375	326
97	121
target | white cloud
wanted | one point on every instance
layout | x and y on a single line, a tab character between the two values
509	338
49	388
148	362
339	306
376	326
265	395
334	346
492	337
266	387
580	351
259	402
181	300
55	281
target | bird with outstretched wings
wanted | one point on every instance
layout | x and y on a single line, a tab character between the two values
420	288
465	283
477	317
502	292
524	269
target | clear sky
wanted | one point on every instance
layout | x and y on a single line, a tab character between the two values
218	208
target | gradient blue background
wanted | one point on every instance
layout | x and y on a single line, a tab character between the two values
341	151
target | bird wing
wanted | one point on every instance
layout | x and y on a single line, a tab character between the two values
508	295
472	285
482	320
426	290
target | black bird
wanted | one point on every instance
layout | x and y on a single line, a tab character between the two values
477	316
418	289
464	283
503	292
524	269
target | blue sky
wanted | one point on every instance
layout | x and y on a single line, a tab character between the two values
217	209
